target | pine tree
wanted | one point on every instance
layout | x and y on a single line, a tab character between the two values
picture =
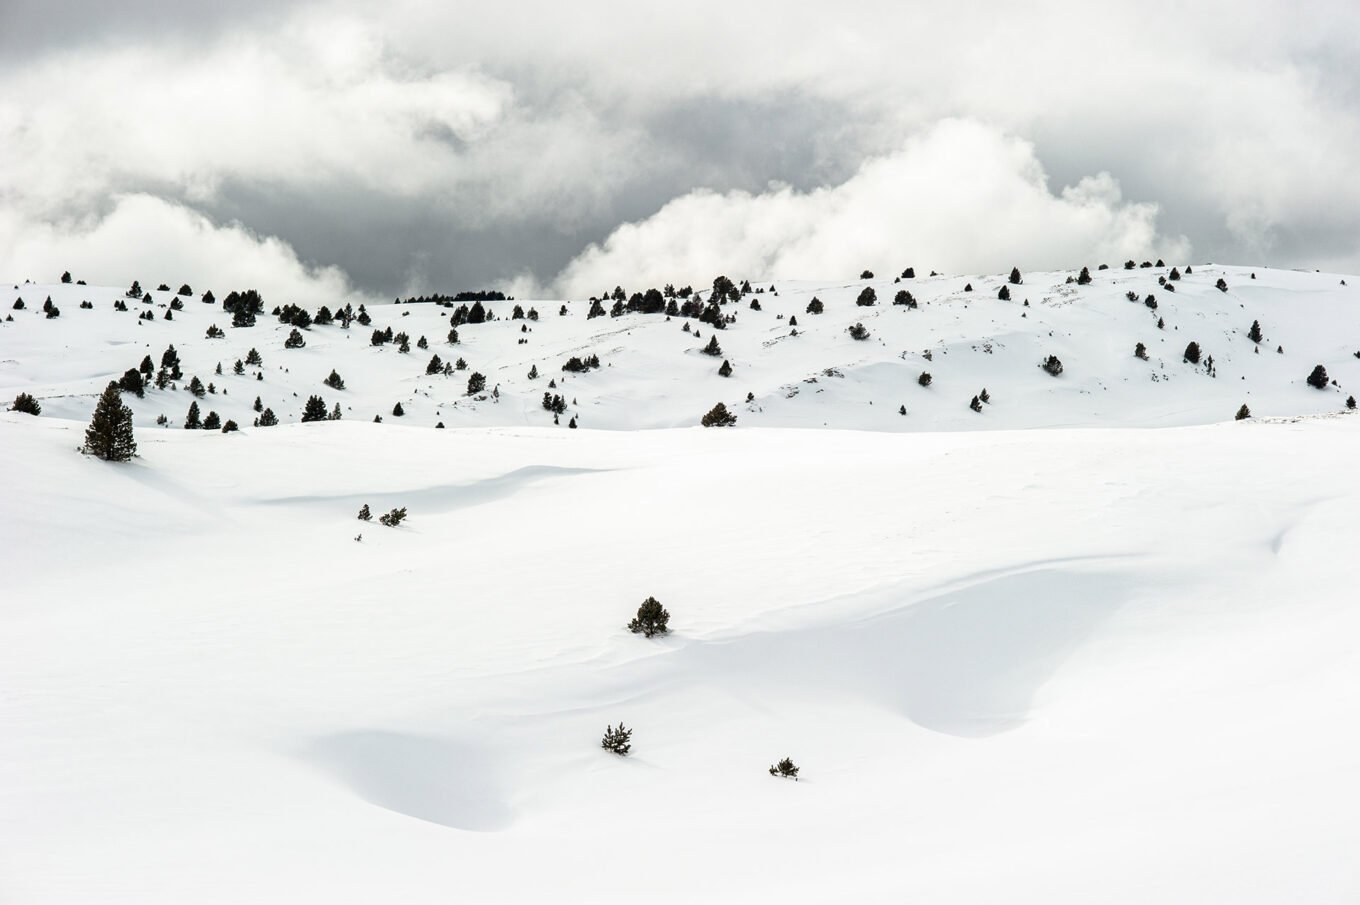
196	387
786	769
364	514
533	372
1318	379
617	740
1015	276
1192	353
1254	334
975	405
26	404
652	619
253	358
314	410
294	340
230	427
393	518
258	406
1005	294
726	369
335	381
435	366
1140	351
1243	413
718	416
476	383
212	422
192	421
925	379
713	348
1052	365
398	411
858	331
109	436
815	306
267	419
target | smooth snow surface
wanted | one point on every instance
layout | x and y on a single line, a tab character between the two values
1059	665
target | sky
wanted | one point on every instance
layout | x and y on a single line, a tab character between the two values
337	149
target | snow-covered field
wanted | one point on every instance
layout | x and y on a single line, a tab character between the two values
1076	660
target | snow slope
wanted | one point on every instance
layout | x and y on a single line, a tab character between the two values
1062	665
654	375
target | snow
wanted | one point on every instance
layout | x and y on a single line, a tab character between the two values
1040	654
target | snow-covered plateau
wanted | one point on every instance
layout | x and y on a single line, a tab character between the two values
1097	641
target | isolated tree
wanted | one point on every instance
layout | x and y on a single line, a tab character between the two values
867	297
66	277
238	368
985	396
617	740
712	348
1174	274
975	405
903	297
786	769
398	411
858	331
1350	403
314	410
533	372
652	619
1004	294
193	421
476	383
1221	285
1015	276
1318	379
866	275
109	436
718	416
393	518
925	379
1140	351
335	381
26	404
1254	334
1052	365
726	369
1243	413
1192	353
1084	277
815	306
253	358
294	340
335	413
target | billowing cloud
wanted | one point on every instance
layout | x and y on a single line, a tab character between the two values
150	240
962	196
416	145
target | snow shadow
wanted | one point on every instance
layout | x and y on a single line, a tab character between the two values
439	780
966	662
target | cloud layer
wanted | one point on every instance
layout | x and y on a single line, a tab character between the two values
414	146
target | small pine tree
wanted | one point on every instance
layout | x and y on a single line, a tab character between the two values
925	379
1140	351
867	297
212	422
193	421
1192	353
1005	294
651	619
435	366
314	410
335	381
267	419
713	348
1052	365
1084	277
253	358
815	306
1350	403
1318	379
364	514
617	740
718	416
858	331
294	340
393	518
196	387
230	427
26	404
109	436
786	769
975	405
985	396
476	383
726	369
398	411
1243	413
1015	276
1254	334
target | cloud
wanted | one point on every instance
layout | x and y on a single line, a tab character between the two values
960	196
147	239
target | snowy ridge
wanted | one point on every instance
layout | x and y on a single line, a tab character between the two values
653	374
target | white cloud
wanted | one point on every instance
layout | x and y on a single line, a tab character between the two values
150	240
959	196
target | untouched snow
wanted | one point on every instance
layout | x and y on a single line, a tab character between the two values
1063	665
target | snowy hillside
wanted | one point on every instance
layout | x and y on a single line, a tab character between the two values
1085	663
654	374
